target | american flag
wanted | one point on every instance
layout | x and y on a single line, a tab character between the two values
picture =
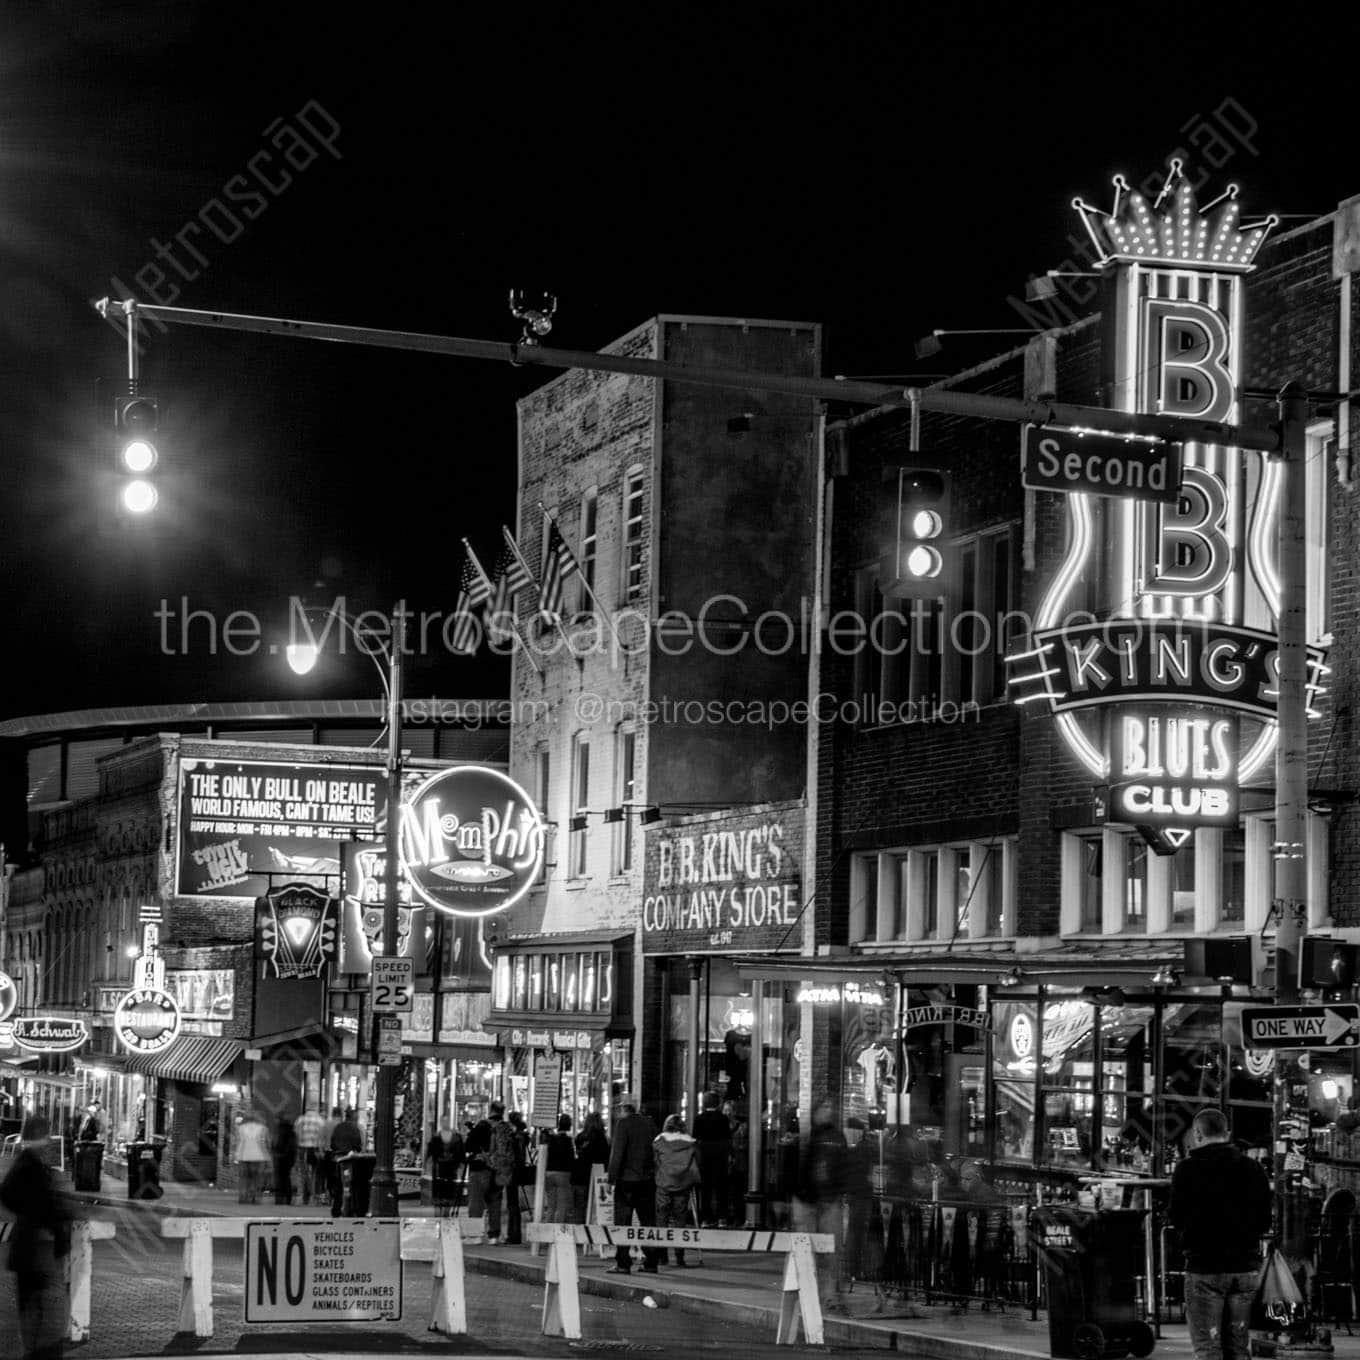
463	639
517	573
474	590
475	580
558	564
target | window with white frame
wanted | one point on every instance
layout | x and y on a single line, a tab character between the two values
589	540
625	787
543	783
1220	879
959	891
631	582
580	801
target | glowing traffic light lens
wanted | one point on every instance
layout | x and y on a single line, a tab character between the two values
139	456
139	497
923	562
925	524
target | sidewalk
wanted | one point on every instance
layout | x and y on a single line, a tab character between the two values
737	1287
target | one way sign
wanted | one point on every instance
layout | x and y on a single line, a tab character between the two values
1336	1026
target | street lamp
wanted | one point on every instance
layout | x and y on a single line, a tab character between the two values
301	657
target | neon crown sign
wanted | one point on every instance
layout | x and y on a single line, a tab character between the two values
1183	234
1183	615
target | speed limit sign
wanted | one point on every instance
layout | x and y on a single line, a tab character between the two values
394	985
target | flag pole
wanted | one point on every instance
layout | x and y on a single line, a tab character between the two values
585	585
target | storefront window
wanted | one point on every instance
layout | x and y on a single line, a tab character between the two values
1092	853
553	983
535	982
1183	886
520	995
1135	883
1014	1040
1234	876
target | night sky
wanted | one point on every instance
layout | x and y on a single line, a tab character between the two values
882	169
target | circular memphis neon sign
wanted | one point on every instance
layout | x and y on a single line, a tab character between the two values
471	841
147	1020
9	996
1022	1036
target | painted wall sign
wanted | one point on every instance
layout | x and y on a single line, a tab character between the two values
147	1020
297	930
727	883
50	1033
1189	592
471	841
9	996
239	819
203	993
1096	464
1173	767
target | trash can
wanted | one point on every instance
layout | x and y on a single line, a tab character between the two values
356	1176
88	1165
144	1170
1090	1262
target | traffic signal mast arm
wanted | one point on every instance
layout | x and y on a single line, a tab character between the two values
1171	428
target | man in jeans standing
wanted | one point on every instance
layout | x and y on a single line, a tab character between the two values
1220	1206
632	1173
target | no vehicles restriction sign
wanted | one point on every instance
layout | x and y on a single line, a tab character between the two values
341	1270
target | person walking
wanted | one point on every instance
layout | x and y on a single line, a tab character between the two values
92	1125
592	1150
329	1171
557	1188
822	1178
519	1176
252	1156
632	1174
491	1167
677	1173
285	1150
41	1240
713	1132
1220	1206
444	1156
345	1141
309	1146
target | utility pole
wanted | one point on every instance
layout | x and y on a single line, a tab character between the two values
1291	745
384	1188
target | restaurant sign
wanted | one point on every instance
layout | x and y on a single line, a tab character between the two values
724	883
50	1033
147	1020
471	841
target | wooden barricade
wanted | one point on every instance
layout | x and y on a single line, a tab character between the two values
800	1306
77	1270
436	1240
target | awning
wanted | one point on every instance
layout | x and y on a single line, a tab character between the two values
190	1057
313	1036
1070	965
540	944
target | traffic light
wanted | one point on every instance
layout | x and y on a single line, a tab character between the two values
1327	964
917	568
137	423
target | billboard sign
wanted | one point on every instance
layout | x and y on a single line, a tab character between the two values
203	993
240	819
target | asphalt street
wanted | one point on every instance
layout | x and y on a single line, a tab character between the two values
135	1302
